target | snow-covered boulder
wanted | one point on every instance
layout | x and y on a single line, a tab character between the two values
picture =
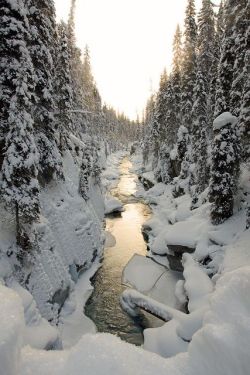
113	205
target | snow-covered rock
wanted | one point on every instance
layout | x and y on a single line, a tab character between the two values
113	205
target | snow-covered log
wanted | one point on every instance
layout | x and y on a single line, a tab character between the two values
131	301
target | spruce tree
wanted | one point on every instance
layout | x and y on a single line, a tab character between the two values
42	49
225	167
227	60
76	69
63	89
201	111
219	32
19	186
189	64
173	116
240	74
158	130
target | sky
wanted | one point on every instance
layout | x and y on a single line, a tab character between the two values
130	44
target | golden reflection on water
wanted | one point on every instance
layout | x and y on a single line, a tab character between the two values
125	239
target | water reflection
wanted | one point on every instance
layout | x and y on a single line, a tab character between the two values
103	306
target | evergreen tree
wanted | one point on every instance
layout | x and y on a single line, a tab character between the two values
240	75
201	112
173	117
91	96
225	167
158	130
189	64
219	31
76	70
42	49
227	60
63	85
147	125
19	186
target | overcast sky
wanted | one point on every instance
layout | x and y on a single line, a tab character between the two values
130	43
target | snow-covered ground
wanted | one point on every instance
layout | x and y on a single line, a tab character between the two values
213	339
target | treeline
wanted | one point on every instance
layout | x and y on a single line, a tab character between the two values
47	94
209	81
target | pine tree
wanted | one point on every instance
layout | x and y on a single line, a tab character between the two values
225	167
85	174
189	64
76	70
219	32
201	111
64	105
240	75
91	96
245	106
227	60
147	125
158	130
19	186
42	49
173	116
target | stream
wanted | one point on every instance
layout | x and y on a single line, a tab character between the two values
124	238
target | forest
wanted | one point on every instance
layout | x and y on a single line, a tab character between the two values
168	192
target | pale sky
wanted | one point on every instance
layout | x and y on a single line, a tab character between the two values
130	43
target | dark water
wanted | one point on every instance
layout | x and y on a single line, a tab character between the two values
124	239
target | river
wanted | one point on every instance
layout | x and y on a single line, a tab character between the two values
124	239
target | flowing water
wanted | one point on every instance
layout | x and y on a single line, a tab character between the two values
124	238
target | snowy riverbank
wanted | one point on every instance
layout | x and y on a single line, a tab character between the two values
217	326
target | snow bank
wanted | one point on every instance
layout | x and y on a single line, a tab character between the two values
11	329
220	347
37	333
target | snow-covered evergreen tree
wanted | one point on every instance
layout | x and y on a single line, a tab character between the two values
227	60
42	49
173	116
240	74
147	125
225	167
19	186
63	87
85	174
219	31
201	111
189	64
76	70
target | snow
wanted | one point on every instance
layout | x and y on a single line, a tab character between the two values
219	347
213	339
154	285
11	327
73	323
38	333
112	205
226	118
110	176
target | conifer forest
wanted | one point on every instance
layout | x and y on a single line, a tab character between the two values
124	243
